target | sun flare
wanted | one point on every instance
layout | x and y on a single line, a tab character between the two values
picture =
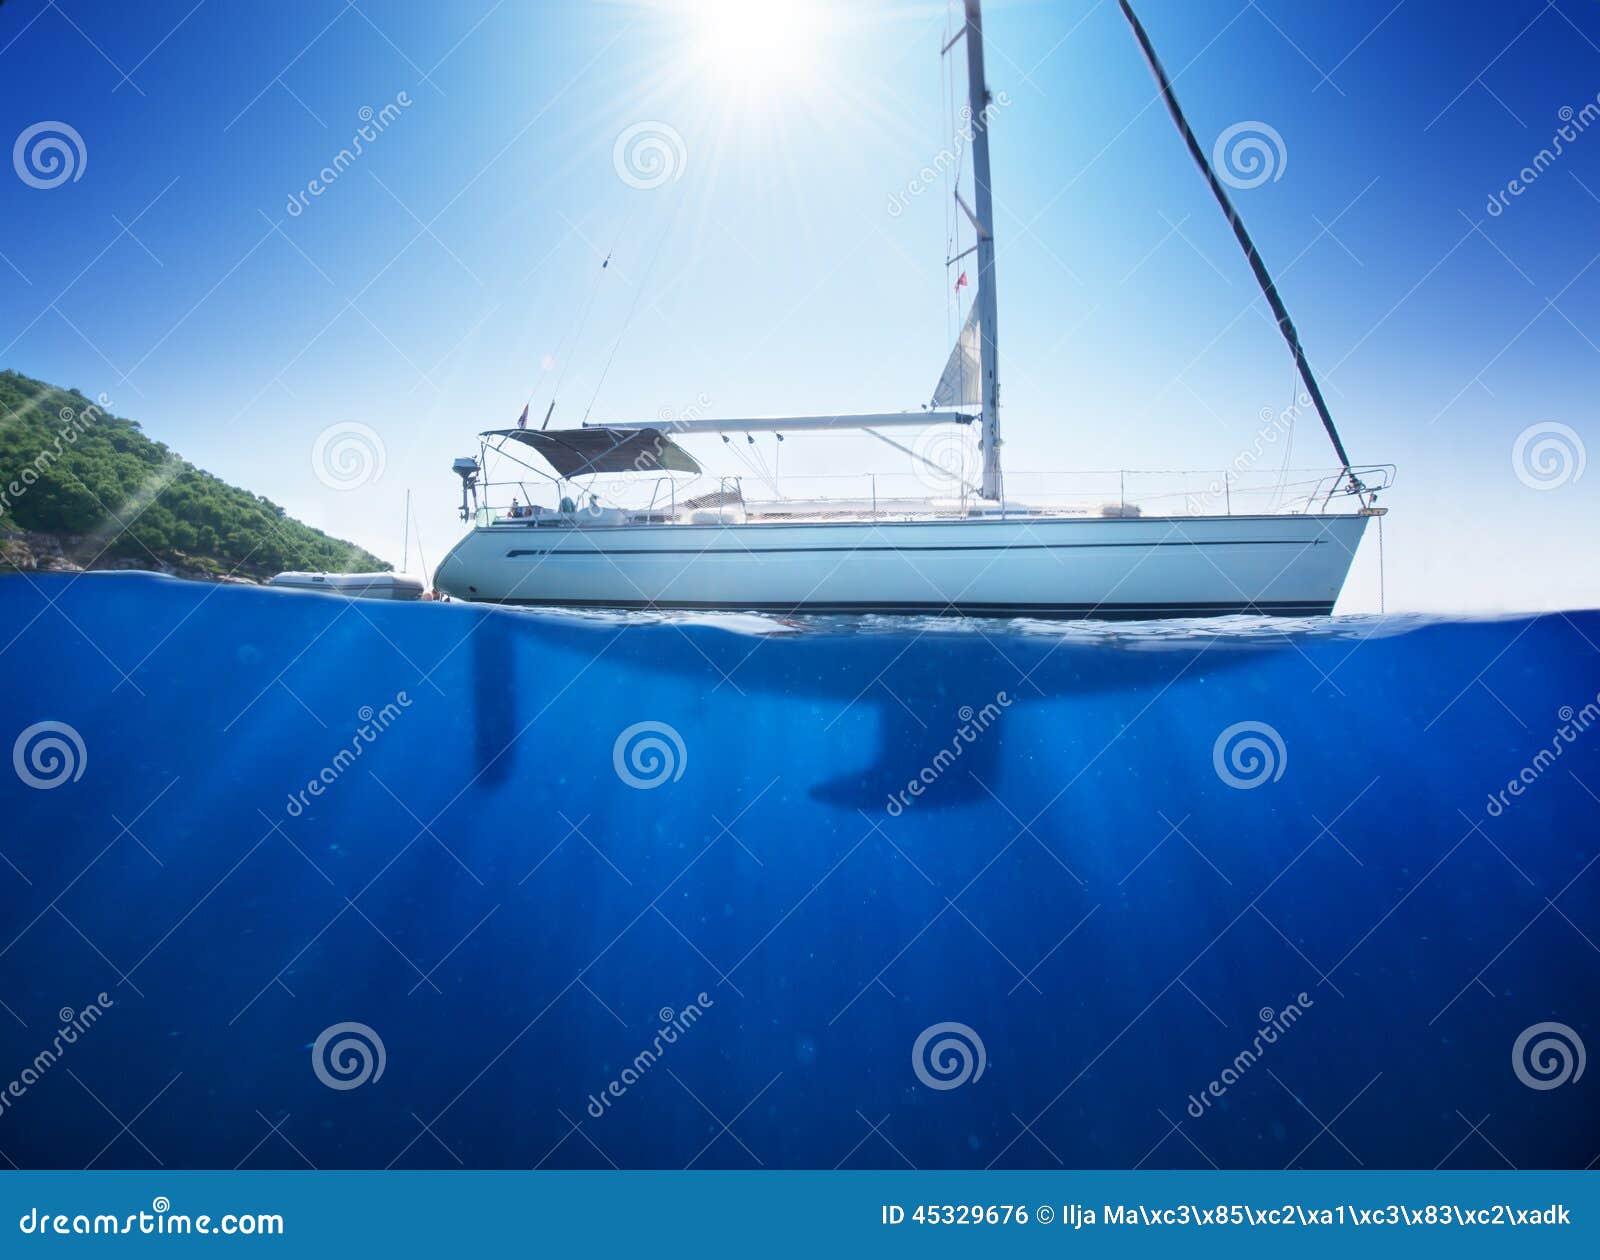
756	47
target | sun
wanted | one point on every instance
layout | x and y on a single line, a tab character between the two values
756	46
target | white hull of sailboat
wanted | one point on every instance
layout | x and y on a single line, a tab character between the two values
1146	567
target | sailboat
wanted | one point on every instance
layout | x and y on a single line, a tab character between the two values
636	525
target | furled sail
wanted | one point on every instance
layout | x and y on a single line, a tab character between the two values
961	385
1263	278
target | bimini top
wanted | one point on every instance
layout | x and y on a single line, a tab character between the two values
578	452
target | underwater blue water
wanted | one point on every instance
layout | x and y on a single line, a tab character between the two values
1081	887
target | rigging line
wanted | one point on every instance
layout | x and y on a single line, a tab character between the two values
573	337
755	460
949	226
744	459
1383	595
761	456
952	171
1263	278
415	528
762	471
954	209
1288	446
634	306
575	333
960	475
766	471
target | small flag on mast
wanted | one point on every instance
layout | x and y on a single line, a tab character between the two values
961	281
522	420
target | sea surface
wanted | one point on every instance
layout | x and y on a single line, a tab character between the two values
293	881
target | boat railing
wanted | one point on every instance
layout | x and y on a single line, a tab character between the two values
672	495
898	496
1369	478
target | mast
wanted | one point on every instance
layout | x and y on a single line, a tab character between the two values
983	223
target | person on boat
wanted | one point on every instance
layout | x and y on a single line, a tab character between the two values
516	509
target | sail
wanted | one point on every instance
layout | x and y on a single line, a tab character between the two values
961	384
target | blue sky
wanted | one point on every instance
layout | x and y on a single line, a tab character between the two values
453	270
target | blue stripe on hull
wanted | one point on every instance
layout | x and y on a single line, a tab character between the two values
1060	612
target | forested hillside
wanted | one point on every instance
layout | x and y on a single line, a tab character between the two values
80	488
